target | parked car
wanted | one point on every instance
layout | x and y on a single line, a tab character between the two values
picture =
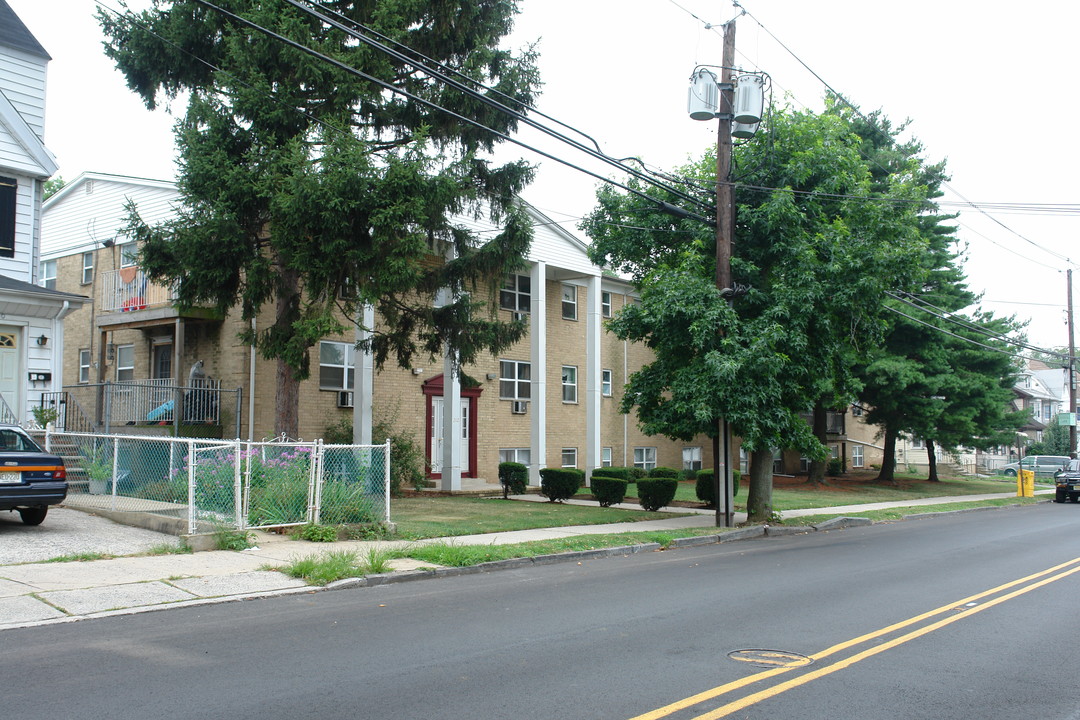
30	479
1067	482
1041	464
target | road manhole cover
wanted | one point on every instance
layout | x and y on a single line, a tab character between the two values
770	658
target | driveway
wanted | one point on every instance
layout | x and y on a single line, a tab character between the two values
70	532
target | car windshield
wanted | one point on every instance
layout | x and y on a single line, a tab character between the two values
1074	466
15	441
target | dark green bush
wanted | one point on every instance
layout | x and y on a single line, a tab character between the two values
663	472
835	467
558	484
608	491
704	487
514	478
655	493
637	473
623	473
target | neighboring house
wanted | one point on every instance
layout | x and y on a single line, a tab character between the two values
31	316
1033	394
550	401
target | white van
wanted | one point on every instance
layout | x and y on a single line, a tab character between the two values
1041	464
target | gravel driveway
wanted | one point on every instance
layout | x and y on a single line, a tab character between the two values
67	532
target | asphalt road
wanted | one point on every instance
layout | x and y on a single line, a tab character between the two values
964	617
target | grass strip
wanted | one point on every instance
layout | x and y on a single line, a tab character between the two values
900	513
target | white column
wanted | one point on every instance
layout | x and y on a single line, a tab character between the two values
364	380
592	376
451	459
538	363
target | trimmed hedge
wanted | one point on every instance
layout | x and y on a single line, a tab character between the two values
704	488
655	493
558	484
514	478
623	473
663	472
637	473
608	491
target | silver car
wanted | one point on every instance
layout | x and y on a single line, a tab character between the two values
1042	465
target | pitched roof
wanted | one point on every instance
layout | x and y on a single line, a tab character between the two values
14	34
12	285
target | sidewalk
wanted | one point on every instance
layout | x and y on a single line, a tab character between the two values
40	593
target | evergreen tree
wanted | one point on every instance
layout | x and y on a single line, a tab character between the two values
315	191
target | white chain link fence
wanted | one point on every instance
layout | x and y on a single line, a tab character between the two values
231	484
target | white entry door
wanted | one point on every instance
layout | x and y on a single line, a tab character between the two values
436	440
9	368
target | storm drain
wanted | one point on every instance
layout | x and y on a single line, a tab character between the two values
759	657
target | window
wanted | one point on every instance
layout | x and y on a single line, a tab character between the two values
569	384
777	461
605	457
917	443
125	363
645	458
514	380
518	455
569	302
516	294
744	461
84	365
605	383
337	364
47	274
129	254
87	268
9	189
857	456
569	457
691	458
605	304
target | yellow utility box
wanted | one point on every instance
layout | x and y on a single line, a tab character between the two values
1025	483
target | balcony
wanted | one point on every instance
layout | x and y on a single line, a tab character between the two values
129	297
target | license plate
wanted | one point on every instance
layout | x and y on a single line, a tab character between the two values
10	477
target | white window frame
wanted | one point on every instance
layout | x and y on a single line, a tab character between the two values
510	376
125	367
129	252
605	304
569	302
857	458
47	274
347	368
85	363
605	457
515	298
518	455
606	382
87	268
645	458
569	384
569	457
691	455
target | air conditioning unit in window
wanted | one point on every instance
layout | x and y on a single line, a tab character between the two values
519	407
345	399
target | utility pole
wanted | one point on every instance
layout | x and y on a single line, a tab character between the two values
1072	370
725	229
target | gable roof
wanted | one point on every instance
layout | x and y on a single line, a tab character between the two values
14	34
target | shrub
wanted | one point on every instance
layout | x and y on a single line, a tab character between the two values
558	484
514	478
615	472
835	467
406	456
704	488
318	533
663	472
655	493
637	473
608	491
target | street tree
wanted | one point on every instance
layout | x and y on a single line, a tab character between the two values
817	252
314	191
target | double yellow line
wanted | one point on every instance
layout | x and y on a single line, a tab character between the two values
963	608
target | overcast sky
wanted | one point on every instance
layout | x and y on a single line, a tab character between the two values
989	86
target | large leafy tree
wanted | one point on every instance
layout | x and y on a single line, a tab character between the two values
313	191
817	251
936	374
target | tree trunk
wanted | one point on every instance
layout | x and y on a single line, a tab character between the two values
931	459
759	496
888	457
820	427
287	386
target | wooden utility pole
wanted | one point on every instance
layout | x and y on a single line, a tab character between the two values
1072	370
725	230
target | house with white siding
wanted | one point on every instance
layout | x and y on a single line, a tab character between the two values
31	316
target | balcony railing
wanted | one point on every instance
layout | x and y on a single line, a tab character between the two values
129	289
